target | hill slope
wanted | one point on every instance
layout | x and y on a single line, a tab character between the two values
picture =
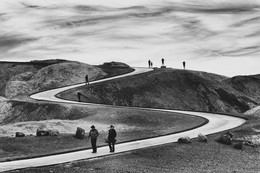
176	89
25	79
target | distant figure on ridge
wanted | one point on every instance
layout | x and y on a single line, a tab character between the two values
93	134
184	63
86	78
149	63
162	62
111	138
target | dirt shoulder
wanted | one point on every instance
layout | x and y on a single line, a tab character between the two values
181	158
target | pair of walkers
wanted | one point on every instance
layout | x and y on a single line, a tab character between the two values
111	139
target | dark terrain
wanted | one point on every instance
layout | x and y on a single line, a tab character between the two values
176	89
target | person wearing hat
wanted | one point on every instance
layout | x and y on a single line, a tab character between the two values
111	138
93	134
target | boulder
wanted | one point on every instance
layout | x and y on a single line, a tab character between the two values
47	132
230	134
239	145
54	132
80	133
42	132
19	134
225	139
202	138
185	139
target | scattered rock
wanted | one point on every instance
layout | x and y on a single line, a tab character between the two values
42	132
54	133
230	134
202	138
185	139
80	133
19	134
225	139
47	132
239	145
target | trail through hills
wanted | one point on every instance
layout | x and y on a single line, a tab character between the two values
176	89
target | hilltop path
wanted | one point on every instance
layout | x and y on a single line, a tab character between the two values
216	123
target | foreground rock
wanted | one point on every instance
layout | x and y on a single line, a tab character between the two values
47	132
238	145
19	134
225	139
80	133
202	138
184	140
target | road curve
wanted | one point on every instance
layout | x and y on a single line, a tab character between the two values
217	123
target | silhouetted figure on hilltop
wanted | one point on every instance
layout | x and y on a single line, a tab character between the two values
184	63
149	63
162	62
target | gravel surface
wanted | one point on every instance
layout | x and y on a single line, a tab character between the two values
194	157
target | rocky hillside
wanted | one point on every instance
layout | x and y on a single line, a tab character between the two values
18	80
176	89
27	78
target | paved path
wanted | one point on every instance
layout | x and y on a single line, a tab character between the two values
217	123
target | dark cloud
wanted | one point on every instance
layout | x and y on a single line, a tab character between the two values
29	5
215	7
9	42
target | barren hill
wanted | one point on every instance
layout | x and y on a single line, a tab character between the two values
25	79
20	79
176	89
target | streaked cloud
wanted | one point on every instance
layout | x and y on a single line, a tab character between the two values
192	30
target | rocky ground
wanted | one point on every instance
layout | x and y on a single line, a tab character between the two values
195	157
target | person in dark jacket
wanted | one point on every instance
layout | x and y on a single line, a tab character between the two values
86	78
111	138
93	134
79	96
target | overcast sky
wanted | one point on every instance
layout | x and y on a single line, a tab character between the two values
218	36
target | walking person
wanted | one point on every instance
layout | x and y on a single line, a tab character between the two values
162	62
149	63
86	78
184	63
111	138
79	96
93	134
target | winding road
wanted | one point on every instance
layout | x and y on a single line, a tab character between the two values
216	123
